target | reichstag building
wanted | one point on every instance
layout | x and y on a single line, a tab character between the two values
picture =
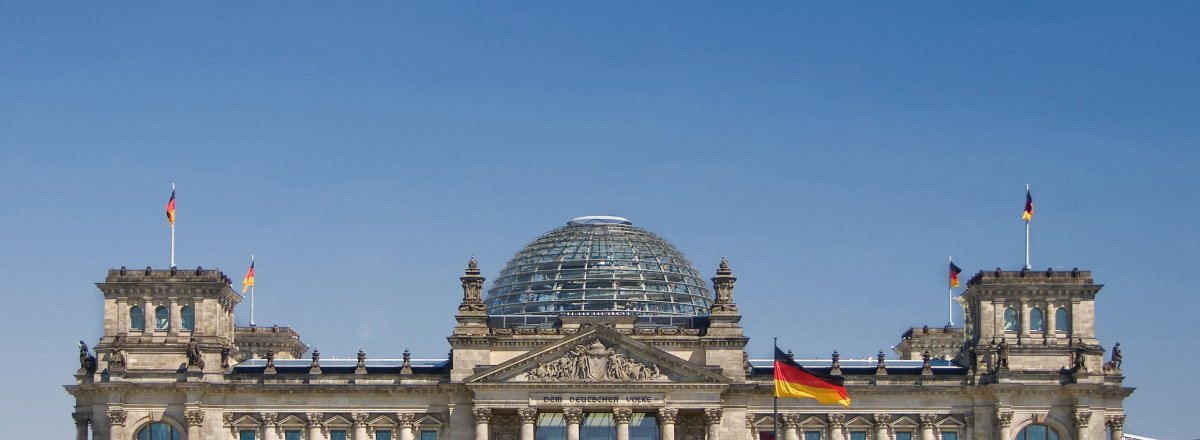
597	330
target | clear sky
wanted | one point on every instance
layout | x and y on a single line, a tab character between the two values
364	151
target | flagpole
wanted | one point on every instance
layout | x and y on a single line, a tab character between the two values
950	304
1027	266
774	396
252	295
172	231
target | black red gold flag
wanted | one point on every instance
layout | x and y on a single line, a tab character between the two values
954	271
793	380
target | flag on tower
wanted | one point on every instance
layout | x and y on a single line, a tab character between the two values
954	271
171	208
793	380
248	282
1028	214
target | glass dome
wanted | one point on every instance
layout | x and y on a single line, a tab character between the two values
599	263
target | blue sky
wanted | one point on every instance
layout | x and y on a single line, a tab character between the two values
835	153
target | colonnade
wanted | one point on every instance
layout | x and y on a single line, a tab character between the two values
573	416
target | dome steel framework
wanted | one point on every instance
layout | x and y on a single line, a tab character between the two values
599	263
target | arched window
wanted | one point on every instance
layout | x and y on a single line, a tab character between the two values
1010	319
1062	322
137	318
187	318
158	431
1034	432
1037	320
162	318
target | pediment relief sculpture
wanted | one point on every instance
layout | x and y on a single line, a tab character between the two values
593	363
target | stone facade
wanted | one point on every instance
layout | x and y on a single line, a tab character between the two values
504	379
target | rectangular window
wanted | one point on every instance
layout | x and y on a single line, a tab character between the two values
766	435
291	434
383	434
949	435
550	426
904	436
246	434
428	435
812	435
858	435
337	435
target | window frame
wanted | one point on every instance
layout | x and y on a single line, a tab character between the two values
1015	322
1062	320
187	313
162	323
139	324
1038	326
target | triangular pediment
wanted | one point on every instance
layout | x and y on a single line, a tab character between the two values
597	355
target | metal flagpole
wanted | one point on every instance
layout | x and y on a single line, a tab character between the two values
172	230
1027	266
950	305
774	396
252	294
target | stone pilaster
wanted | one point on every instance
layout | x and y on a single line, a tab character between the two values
195	422
1083	417
360	425
407	423
1116	423
791	426
1004	422
927	421
881	426
712	417
116	423
315	422
837	423
270	425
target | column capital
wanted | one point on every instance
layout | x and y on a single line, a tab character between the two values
712	416
314	419
406	420
194	417
927	420
527	414
1116	421
882	419
81	418
482	415
360	419
116	417
1003	418
790	420
573	415
837	420
668	415
622	415
1082	417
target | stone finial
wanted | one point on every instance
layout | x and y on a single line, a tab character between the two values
406	364
316	359
926	364
880	370
836	364
723	285
472	284
225	351
270	362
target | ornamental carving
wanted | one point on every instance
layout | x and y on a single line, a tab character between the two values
81	419
482	415
1082	417
406	420
790	420
270	419
573	415
712	416
193	417
882	419
622	415
837	421
1004	418
667	415
1115	422
227	418
360	419
315	419
527	414
927	420
116	417
593	363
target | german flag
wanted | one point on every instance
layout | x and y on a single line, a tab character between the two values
248	282
171	209
1028	214
954	271
793	380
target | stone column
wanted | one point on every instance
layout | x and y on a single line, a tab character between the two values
195	421
82	421
573	416
316	421
360	425
1023	321
712	417
1004	421
269	421
1082	417
1051	324
529	418
927	421
408	421
881	426
1117	424
836	423
791	423
116	423
621	417
482	417
666	420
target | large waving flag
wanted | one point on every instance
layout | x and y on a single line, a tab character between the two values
1028	214
793	380
248	282
171	208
